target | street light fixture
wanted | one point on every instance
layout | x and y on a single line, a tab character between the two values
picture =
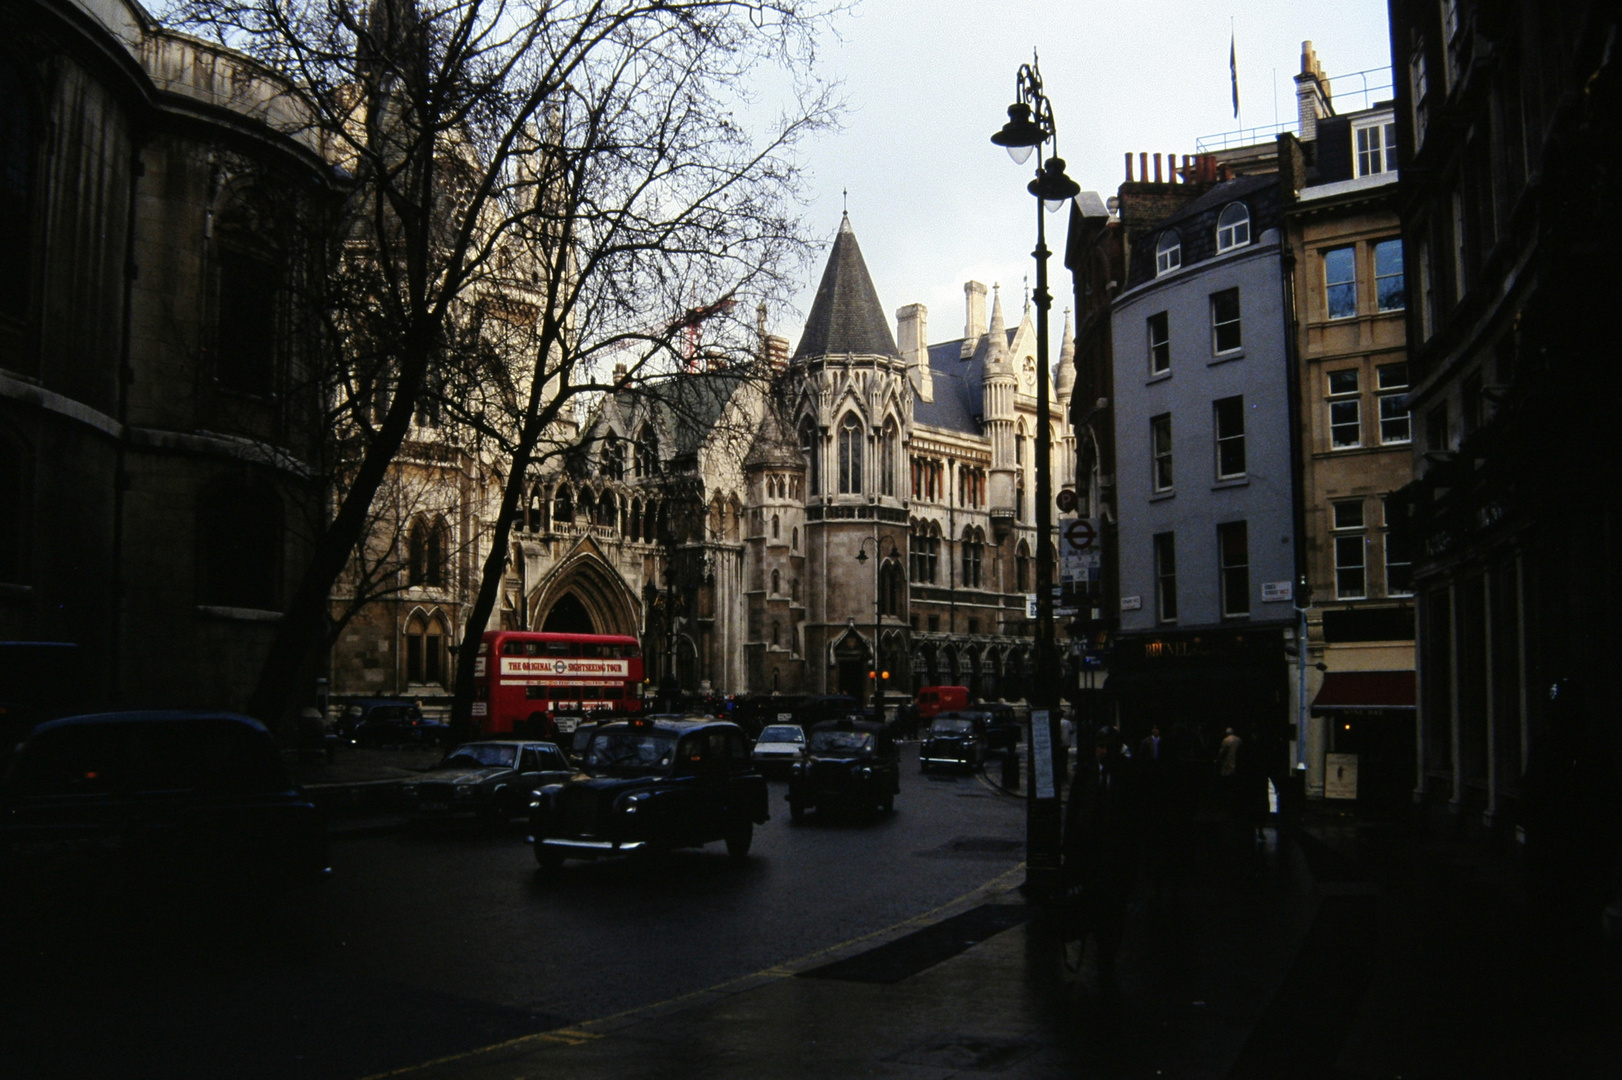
1030	126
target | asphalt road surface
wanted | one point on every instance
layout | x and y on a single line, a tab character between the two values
437	940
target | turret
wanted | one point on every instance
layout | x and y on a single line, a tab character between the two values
999	383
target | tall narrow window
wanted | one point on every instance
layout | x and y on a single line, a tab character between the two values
1233	227
810	448
1159	344
934	555
1225	336
1399	561
1419	91
1395	424
1165	577
1230	437
1160	451
1233	559
245	332
1376	148
1022	568
1340	282
647	452
1388	281
850	456
1168	252
1351	550
887	458
1345	410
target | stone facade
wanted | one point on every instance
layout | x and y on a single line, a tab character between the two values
159	436
872	504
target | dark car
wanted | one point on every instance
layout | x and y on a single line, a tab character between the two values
849	761
156	794
998	723
396	723
495	779
954	740
652	784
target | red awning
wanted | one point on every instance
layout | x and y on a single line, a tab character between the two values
1366	690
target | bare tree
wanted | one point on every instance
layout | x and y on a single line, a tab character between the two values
531	184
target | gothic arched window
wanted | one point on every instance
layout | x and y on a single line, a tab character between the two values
1233	227
777	583
776	533
887	457
809	447
850	455
647	452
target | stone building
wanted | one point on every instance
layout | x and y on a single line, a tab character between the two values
159	433
863	524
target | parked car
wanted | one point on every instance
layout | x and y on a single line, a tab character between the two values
395	724
953	739
779	747
847	761
999	724
163	795
652	784
495	779
358	710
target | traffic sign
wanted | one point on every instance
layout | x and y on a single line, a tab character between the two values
1080	534
1066	500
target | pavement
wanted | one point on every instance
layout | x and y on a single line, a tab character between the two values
1341	946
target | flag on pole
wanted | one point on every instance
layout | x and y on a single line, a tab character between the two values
1233	72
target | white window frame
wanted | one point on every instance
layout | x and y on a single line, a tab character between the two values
1233	578
1350	538
1332	284
1374	146
1227	439
1401	295
1160	454
1396	422
1385	518
1168	255
1342	404
1159	350
1165	556
1233	230
1238	322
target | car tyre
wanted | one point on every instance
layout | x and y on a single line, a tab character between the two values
739	838
547	859
796	809
923	766
887	804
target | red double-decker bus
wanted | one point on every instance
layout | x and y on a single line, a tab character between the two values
538	684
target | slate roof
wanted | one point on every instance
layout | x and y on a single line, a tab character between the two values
1196	223
846	316
958	385
685	408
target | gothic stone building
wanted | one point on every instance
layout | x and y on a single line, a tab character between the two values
863	525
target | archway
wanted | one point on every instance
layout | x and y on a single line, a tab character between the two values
851	665
568	616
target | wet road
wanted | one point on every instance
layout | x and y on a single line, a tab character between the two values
437	940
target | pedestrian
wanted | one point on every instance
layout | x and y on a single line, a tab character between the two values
1100	851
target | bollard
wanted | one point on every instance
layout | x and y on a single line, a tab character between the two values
1010	769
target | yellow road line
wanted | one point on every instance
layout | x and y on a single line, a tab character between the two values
577	1034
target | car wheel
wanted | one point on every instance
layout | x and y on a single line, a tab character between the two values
796	809
739	838
887	804
923	766
547	859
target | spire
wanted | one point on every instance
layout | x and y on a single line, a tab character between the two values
846	316
996	355
1065	379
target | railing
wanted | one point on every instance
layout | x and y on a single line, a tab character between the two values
1363	88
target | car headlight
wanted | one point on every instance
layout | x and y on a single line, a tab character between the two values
866	771
630	803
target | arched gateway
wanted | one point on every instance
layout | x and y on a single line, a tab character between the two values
584	596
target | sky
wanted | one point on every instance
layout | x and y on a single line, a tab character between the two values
926	82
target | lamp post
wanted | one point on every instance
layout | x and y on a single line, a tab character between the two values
1030	126
877	672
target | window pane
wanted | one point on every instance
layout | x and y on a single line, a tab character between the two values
1388	279
1349	515
1160	445
1159	344
1340	280
1225	320
1230	437
1350	576
1345	424
1234	559
1165	577
1395	426
1391	376
1168	252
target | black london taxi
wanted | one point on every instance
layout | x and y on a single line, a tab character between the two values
954	740
162	796
494	778
649	784
849	762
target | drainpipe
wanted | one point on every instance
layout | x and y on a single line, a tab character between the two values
1301	590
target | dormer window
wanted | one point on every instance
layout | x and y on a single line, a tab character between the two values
1168	252
1233	227
1376	147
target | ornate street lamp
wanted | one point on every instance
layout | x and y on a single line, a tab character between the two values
1030	126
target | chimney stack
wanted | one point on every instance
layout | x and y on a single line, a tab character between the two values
974	321
1311	94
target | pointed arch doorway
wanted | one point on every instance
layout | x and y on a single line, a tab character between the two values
568	616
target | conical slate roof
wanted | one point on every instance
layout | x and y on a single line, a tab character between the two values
846	316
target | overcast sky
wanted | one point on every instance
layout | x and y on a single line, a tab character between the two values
935	204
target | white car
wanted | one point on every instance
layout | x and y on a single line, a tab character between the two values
779	748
